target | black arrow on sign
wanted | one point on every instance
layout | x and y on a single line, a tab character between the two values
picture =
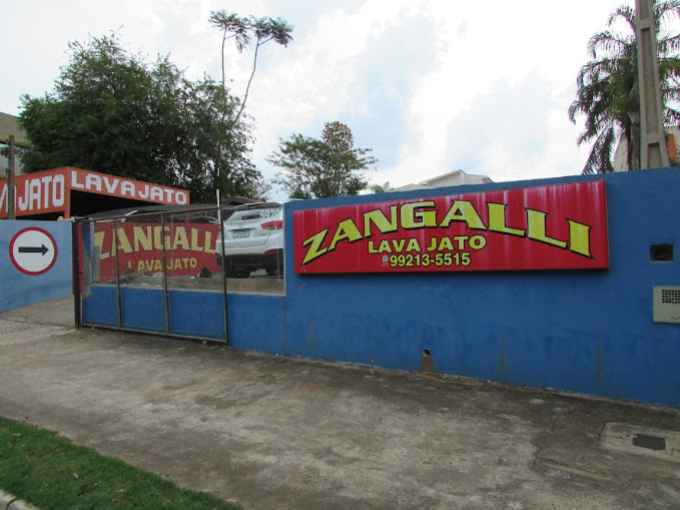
30	249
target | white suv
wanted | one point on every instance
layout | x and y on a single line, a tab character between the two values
253	240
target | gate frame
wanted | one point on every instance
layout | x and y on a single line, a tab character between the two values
78	257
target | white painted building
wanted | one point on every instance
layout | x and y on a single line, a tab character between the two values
455	178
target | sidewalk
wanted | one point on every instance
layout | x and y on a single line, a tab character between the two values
278	433
9	502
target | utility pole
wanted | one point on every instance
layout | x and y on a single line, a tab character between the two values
654	153
11	212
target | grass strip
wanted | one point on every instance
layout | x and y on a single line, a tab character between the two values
52	473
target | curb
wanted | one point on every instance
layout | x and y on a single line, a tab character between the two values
9	502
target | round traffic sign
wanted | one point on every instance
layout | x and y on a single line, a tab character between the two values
33	251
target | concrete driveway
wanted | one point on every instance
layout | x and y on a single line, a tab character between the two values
278	433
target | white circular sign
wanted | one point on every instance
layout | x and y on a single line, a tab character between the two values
33	251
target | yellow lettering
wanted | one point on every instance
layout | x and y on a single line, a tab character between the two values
398	244
194	240
412	217
463	210
461	241
315	250
413	245
208	245
114	242
536	229
99	238
445	244
347	230
123	241
384	247
159	241
497	221
371	248
579	238
477	242
142	238
380	221
180	238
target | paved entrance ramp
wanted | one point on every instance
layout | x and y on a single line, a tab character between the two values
280	434
58	312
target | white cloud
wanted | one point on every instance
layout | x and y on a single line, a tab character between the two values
404	74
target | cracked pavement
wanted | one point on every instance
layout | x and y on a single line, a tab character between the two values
282	433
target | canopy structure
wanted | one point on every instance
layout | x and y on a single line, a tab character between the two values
67	191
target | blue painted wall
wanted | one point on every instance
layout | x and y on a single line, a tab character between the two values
583	331
18	289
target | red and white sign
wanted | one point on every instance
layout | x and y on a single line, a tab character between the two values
33	251
562	226
49	191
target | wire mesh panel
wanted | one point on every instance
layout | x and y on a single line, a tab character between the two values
99	282
252	245
195	285
140	273
169	272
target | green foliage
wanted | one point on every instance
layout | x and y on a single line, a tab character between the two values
381	188
608	88
112	112
50	472
322	168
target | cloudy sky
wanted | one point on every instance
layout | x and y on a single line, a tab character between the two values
430	85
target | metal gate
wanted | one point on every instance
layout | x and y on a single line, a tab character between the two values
154	273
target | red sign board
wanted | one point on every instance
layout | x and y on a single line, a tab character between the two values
49	191
138	247
562	226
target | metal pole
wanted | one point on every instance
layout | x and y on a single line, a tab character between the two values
166	304
11	212
75	252
118	300
220	237
653	153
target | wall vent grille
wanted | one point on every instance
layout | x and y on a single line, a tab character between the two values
666	304
670	296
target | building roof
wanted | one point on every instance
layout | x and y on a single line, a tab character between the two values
9	125
456	175
453	178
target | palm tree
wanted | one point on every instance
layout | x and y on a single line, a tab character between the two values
607	90
381	188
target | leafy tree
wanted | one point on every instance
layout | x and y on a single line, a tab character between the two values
112	112
243	30
608	90
381	188
322	168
